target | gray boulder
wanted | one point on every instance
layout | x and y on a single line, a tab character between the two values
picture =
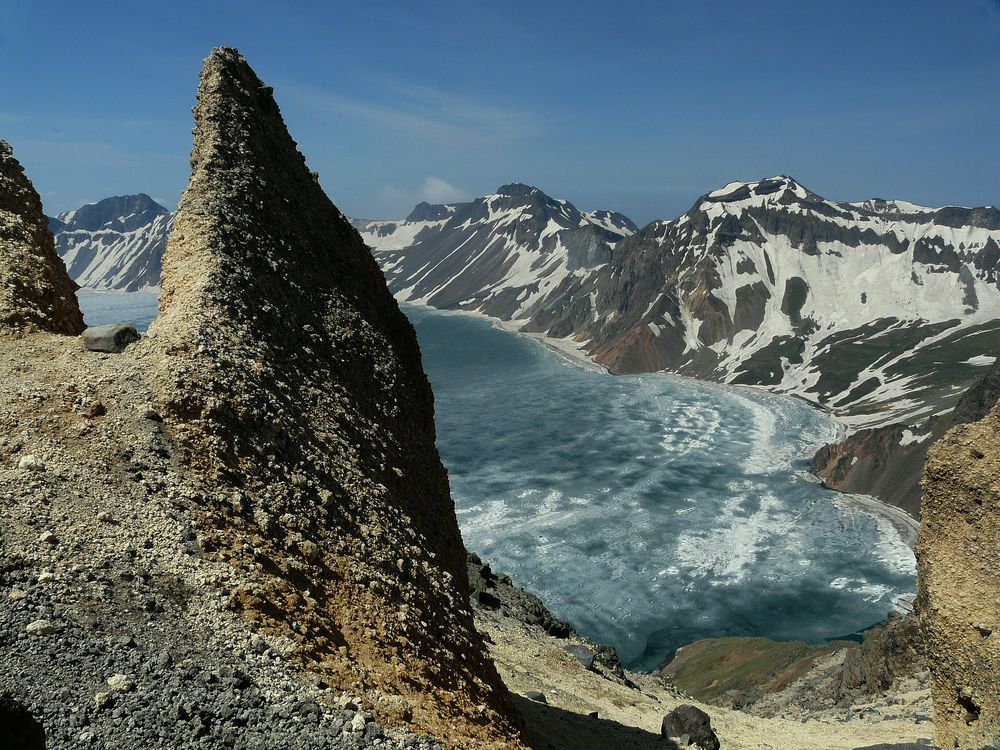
113	337
691	725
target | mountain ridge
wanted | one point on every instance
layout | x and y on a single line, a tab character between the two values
114	244
670	303
881	311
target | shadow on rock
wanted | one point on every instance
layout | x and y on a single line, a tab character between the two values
551	728
18	728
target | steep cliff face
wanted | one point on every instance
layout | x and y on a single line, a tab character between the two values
293	386
888	461
36	293
958	582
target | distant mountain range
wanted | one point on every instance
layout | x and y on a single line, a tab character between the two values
882	311
116	243
853	306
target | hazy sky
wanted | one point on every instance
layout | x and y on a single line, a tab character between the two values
635	106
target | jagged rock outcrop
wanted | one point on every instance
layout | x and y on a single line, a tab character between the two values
958	582
36	294
115	614
890	651
293	387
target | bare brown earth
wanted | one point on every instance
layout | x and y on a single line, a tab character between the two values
959	579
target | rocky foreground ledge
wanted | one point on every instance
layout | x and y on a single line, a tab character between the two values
237	530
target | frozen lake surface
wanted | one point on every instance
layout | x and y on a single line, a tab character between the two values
648	510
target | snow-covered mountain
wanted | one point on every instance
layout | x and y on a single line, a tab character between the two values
116	243
499	254
880	310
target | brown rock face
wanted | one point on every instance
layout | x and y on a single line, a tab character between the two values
958	582
872	461
36	293
293	386
875	462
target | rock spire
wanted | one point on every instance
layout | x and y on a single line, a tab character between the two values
293	385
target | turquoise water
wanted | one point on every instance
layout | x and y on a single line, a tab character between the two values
650	511
118	307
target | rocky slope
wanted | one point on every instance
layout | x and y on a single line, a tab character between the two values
114	244
958	578
888	461
574	695
792	678
208	530
36	294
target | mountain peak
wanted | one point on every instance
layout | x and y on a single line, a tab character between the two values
425	211
517	190
36	293
119	211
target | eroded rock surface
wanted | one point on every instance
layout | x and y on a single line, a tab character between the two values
293	386
958	582
36	293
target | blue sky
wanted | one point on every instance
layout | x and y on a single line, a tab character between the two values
635	106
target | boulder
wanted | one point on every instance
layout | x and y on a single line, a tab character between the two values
113	337
691	722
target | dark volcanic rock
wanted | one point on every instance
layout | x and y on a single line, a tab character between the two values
495	593
691	722
18	728
290	379
889	651
36	294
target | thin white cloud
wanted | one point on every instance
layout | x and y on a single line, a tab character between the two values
426	113
398	201
436	190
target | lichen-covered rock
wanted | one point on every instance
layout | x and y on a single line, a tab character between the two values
958	582
36	293
293	387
